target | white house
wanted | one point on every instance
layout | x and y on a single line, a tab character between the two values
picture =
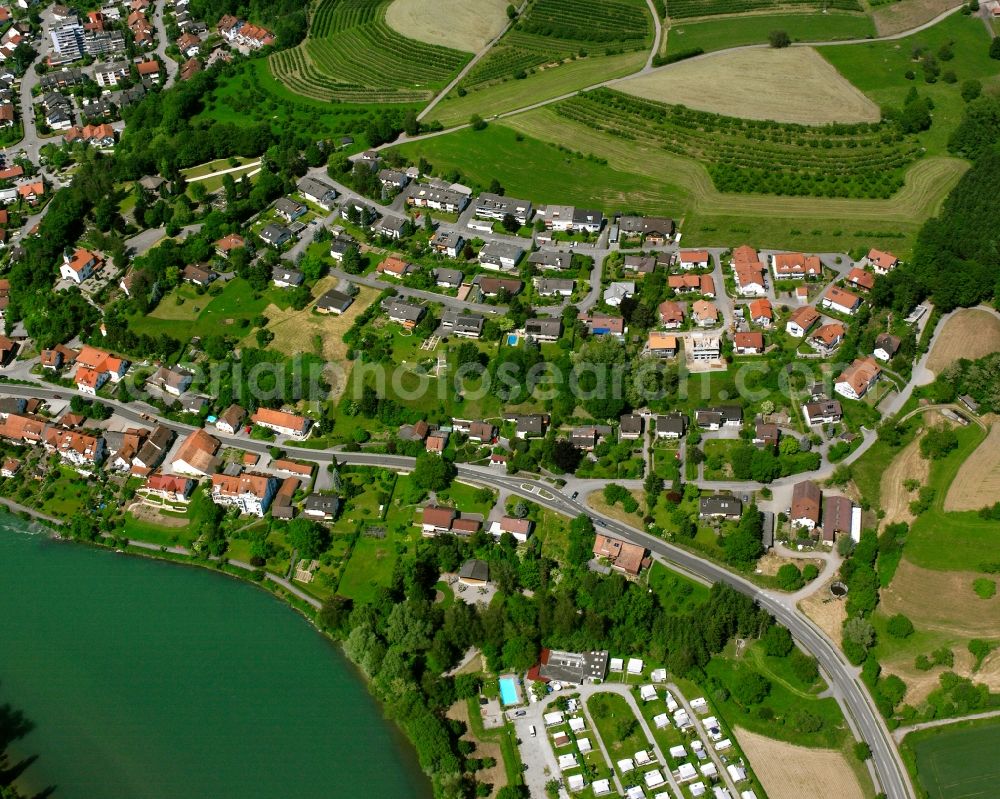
693	259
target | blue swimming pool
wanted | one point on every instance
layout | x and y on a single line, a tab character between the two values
511	339
508	691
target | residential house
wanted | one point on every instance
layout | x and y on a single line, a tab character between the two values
497	207
600	324
322	507
407	314
289	209
394	266
393	180
154	450
198	274
197	455
543	329
149	70
8	349
79	265
492	287
624	556
704	313
861	279
766	434
500	256
447	242
822	412
750	282
189	69
282	422
463	325
795	265
720	506
692	284
79	449
882	262
655	230
671	314
57	357
827	338
171	380
841	301
761	313
705	347
529	425
448	278
169	487
807	500
333	302
838	518
423	195
693	259
640	264
671	425
618	291
630	426
318	192
554	287
480	432
102	136
855	381
390	227
748	343
886	346
188	44
11	466
276	236
285	278
801	320
586	438
231	420
436	519
96	367
662	345
520	529
226	245
549	259
251	493
717	417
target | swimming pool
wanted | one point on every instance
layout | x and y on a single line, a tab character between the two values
511	339
508	691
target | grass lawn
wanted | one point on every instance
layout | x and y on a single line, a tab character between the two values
957	761
203	314
939	540
677	593
143	530
547	83
718	450
617	725
464	498
718	34
786	705
215	166
879	70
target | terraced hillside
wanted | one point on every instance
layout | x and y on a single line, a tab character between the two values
352	55
681	9
551	31
866	160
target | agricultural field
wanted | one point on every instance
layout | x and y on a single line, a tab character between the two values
957	761
678	9
879	70
817	772
791	85
551	31
970	333
466	25
719	34
352	55
748	156
977	483
895	17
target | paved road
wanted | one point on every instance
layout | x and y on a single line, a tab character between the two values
162	41
657	36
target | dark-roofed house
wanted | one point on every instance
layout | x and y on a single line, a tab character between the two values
838	515
546	259
586	438
655	230
886	346
230	420
447	242
496	207
333	301
495	286
671	425
766	435
173	381
630	426
718	417
448	278
720	507
321	506
407	314
806	502
474	572
554	287
198	274
289	209
275	235
822	412
463	325
316	191
530	425
287	278
544	329
500	256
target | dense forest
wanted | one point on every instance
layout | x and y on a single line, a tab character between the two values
288	19
956	260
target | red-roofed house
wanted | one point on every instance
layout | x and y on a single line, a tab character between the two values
837	299
858	378
761	312
861	279
882	262
748	343
693	259
286	424
79	265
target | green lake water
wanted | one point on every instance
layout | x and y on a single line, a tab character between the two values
153	680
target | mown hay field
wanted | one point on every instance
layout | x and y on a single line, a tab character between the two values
977	484
970	333
462	24
795	84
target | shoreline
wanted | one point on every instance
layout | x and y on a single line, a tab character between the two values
307	608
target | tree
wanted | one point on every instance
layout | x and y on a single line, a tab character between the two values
580	547
779	39
938	442
862	751
565	456
900	626
476	122
789	577
995	48
309	538
777	641
749	688
432	472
